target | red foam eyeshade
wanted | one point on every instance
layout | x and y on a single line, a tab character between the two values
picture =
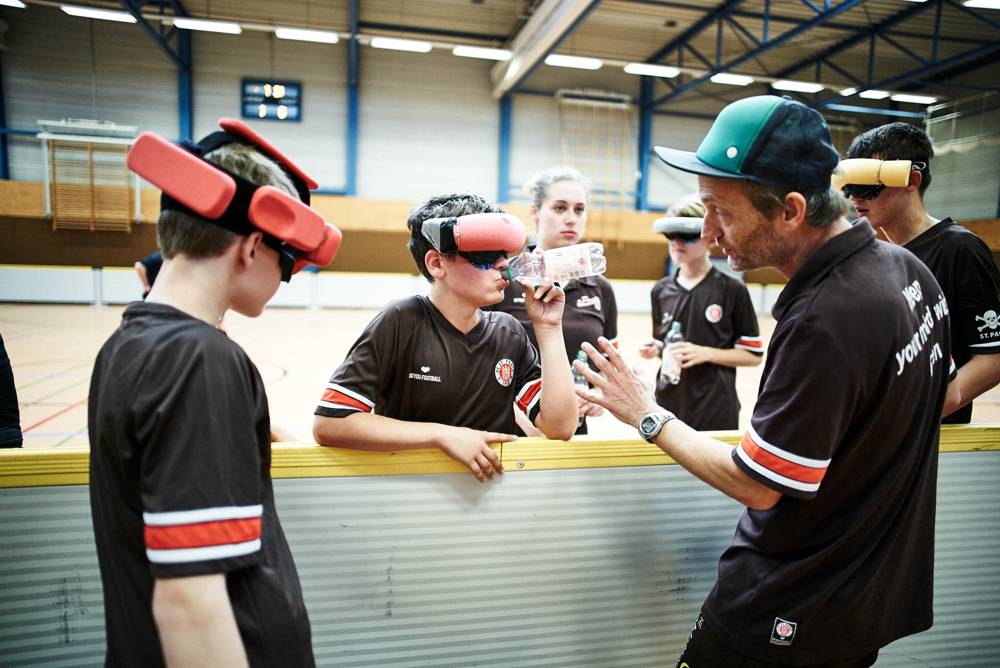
323	254
241	129
283	216
490	232
192	182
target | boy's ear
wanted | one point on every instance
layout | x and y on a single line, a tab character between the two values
434	262
248	247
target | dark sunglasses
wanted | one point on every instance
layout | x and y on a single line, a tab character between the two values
686	238
287	256
483	259
862	192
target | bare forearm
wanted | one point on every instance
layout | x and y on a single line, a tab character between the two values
368	431
979	374
712	462
558	415
195	621
734	357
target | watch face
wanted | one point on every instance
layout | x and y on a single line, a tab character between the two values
648	424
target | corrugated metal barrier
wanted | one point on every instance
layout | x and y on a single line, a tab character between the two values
590	553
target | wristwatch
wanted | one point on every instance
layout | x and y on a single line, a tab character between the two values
651	424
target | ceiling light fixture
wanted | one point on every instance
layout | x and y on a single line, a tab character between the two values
17	4
576	62
915	99
982	4
797	86
732	79
396	44
650	70
481	52
207	25
99	14
303	35
874	94
847	92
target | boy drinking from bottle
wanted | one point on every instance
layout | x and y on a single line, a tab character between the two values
437	371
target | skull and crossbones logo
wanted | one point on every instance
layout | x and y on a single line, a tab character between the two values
989	319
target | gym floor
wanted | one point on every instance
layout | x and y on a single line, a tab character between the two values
52	350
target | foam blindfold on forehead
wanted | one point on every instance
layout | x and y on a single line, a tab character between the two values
189	182
872	172
681	225
475	232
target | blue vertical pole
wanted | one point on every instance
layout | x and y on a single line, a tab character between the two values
4	155
503	159
185	92
765	27
353	54
645	139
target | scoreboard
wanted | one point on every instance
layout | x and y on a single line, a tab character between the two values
272	100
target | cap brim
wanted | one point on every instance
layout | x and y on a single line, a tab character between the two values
686	161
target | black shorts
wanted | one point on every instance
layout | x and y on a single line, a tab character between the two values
705	650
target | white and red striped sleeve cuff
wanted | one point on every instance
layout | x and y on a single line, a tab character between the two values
339	398
528	396
204	534
786	469
754	344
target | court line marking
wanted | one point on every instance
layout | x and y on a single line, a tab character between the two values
71	436
54	374
56	414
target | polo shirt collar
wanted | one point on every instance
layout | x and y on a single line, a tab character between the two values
823	261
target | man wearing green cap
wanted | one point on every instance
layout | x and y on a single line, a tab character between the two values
833	558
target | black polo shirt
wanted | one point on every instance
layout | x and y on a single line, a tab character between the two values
411	364
846	428
591	311
717	313
180	485
963	265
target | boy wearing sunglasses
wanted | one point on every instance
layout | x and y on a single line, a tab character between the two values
438	371
962	264
718	322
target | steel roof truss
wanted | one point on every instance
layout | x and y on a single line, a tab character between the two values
718	15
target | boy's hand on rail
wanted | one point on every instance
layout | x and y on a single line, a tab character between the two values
625	393
472	448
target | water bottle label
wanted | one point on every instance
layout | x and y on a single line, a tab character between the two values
563	264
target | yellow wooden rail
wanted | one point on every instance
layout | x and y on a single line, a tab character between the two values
37	468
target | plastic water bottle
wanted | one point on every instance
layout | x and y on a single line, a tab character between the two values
671	367
578	378
558	264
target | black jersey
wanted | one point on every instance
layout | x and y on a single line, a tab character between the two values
591	311
717	313
180	485
964	267
411	364
846	428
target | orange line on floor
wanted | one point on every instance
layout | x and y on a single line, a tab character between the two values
55	415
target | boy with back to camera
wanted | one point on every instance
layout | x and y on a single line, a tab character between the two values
438	371
195	566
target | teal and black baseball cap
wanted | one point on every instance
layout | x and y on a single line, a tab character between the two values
767	139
